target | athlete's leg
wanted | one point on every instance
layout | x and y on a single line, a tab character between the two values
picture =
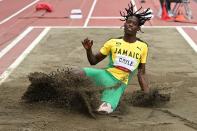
77	71
113	96
105	79
100	76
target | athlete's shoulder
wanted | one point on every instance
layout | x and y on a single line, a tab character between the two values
142	42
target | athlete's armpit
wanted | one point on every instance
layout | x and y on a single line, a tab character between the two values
141	68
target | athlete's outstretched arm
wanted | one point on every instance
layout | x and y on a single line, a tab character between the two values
92	58
142	78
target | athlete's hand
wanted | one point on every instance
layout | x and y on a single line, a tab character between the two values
87	44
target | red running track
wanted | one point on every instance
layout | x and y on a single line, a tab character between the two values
101	13
9	7
192	32
18	49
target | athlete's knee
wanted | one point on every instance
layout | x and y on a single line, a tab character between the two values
79	72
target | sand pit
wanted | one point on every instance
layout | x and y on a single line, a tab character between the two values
171	68
64	87
78	93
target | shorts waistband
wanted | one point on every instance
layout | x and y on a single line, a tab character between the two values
123	69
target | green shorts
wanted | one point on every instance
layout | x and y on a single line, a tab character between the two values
103	78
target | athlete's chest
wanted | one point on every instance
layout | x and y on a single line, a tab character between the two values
131	50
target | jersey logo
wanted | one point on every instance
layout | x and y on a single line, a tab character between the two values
118	43
139	48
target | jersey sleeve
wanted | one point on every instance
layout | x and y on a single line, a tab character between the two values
144	54
105	50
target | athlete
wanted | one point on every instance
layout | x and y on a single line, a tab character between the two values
127	55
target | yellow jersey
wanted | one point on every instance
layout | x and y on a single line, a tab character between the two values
125	55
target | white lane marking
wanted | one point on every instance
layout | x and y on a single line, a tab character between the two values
90	14
15	42
195	28
187	38
76	27
105	17
108	27
11	68
10	17
135	6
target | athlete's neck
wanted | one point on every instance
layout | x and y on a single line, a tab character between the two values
129	38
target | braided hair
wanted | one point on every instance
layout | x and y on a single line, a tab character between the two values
142	16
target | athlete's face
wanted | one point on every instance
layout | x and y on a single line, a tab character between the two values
131	26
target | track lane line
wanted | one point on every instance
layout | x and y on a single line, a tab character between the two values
135	6
18	12
15	42
11	68
195	28
162	27
106	17
187	38
90	14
